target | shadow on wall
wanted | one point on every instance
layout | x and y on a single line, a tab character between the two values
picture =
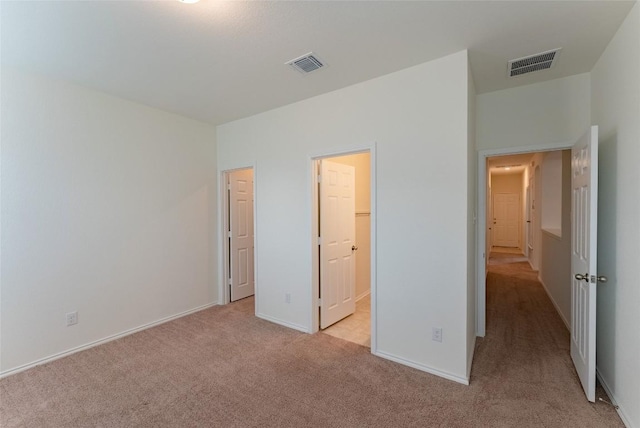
607	236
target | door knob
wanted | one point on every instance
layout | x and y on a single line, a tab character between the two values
580	277
354	248
602	278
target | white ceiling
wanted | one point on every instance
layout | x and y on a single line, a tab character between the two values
217	61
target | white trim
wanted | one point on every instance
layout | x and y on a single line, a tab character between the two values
102	341
621	412
481	297
363	295
283	323
422	367
313	208
555	304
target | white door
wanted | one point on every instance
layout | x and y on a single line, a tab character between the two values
337	242
240	187
584	203
506	220
529	229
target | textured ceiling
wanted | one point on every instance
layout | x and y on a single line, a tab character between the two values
217	61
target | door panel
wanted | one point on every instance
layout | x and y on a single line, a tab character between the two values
506	211
337	231
241	234
584	202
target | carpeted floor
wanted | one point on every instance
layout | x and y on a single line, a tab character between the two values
223	367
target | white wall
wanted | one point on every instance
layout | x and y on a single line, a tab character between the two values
107	208
472	195
555	265
552	192
556	111
615	93
416	120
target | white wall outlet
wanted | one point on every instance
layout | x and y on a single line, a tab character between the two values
287	298
72	318
436	334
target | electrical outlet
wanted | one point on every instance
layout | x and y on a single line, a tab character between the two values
287	298
436	334
72	318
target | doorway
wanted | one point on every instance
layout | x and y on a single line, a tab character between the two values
531	222
239	236
342	220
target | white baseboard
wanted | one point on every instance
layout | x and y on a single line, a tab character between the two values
620	410
566	323
363	295
422	367
102	341
287	324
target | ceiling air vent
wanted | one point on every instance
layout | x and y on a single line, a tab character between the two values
306	63
529	64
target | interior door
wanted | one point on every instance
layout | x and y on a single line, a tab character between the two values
337	242
529	229
240	187
584	202
506	227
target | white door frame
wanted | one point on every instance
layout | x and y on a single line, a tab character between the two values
224	296
481	280
315	252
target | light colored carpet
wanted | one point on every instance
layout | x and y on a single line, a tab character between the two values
223	367
505	257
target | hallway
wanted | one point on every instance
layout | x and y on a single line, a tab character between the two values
525	353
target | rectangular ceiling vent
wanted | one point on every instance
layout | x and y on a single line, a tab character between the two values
306	63
531	63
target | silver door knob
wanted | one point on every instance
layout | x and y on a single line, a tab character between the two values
580	277
602	278
354	248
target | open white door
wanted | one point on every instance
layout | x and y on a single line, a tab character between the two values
584	233
337	246
241	281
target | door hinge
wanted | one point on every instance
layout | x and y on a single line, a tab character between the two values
319	302
319	177
228	186
229	234
319	240
229	281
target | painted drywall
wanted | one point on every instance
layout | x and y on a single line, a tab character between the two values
416	122
362	163
556	111
615	93
552	174
107	209
555	266
507	183
472	195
